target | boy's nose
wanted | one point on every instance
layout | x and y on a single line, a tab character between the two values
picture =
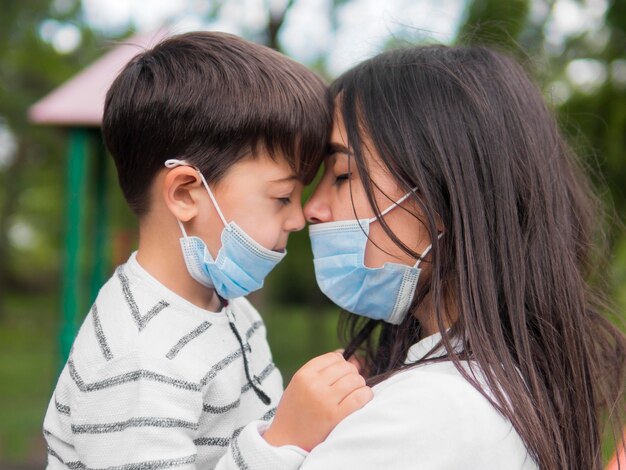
296	220
316	210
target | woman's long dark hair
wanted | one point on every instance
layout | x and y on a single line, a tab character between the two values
469	129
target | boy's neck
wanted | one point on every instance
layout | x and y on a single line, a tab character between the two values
161	256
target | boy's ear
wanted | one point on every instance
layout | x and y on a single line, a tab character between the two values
180	190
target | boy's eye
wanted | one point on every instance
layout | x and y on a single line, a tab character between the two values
342	178
284	200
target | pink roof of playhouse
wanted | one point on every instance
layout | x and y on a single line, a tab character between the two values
80	100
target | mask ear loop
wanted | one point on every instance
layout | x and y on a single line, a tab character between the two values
426	251
182	228
393	206
173	163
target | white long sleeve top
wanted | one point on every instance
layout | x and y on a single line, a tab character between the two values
425	418
155	382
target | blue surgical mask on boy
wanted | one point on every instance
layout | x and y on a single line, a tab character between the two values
241	263
383	293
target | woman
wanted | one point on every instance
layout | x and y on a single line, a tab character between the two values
452	219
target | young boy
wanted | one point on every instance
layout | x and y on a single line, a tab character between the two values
213	138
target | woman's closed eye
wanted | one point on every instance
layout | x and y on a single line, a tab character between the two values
342	177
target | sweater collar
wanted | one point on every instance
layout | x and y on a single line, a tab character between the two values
422	348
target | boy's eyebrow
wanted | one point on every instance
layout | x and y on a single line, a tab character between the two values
291	177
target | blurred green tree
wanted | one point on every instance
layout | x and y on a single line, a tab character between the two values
31	163
595	117
494	22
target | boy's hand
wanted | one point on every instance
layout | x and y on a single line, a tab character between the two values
358	361
321	393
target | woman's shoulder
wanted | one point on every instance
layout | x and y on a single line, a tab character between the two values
438	401
438	387
428	414
431	375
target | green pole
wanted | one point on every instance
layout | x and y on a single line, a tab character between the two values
99	192
75	205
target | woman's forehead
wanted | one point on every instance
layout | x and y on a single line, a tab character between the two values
338	134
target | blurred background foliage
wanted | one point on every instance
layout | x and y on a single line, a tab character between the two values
581	69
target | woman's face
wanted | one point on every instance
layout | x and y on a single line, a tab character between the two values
340	195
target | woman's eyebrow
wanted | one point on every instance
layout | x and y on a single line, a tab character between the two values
335	147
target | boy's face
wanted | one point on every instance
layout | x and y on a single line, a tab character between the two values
261	195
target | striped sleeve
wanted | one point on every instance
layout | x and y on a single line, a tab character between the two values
249	451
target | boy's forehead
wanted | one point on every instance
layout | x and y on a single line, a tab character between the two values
289	163
270	168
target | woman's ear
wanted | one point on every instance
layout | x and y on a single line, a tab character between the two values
180	192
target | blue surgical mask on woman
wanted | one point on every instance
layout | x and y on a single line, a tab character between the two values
383	293
241	263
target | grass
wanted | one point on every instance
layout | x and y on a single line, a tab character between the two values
27	372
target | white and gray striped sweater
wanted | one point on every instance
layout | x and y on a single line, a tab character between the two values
153	382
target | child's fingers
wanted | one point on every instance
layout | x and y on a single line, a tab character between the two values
355	400
332	373
358	362
344	386
321	362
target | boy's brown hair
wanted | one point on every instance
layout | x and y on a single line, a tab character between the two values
212	99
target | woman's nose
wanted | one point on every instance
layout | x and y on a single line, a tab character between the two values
317	210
